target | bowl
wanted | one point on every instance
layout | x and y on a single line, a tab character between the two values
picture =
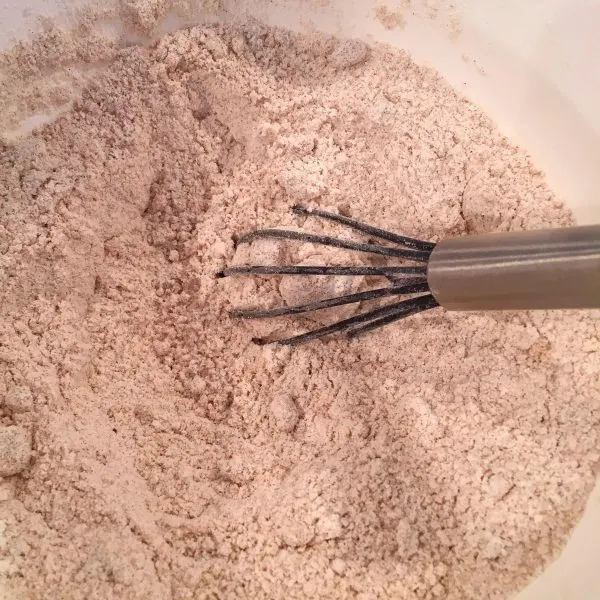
532	66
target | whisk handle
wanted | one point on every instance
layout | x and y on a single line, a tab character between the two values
520	270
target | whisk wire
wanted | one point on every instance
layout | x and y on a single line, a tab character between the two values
414	287
382	234
421	304
325	240
339	270
396	310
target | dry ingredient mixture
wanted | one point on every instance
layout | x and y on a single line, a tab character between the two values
150	451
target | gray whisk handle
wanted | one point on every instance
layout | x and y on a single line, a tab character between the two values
521	270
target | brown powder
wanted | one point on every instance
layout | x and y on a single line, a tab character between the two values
41	78
446	457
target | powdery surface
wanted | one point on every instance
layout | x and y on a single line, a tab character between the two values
41	78
162	454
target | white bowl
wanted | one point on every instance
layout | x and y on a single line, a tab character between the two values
532	65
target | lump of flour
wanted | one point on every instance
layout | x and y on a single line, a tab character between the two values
15	450
18	399
297	290
304	179
349	53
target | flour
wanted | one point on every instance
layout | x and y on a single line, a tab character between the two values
163	454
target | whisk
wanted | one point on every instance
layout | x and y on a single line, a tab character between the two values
523	270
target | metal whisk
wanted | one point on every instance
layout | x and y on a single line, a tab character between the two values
544	269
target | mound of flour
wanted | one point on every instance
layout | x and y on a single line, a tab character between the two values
150	450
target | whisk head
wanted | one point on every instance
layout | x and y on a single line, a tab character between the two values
403	280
